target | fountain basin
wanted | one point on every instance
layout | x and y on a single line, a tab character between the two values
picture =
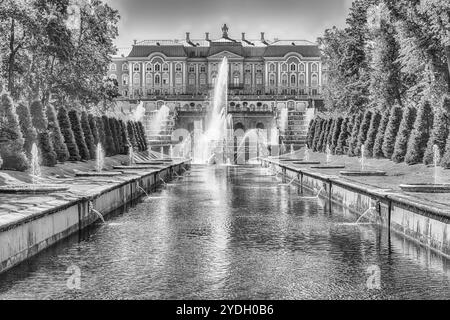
154	163
307	162
328	167
426	188
136	167
32	189
99	174
291	160
363	173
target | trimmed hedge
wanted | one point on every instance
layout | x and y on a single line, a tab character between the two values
40	122
110	146
311	130
88	136
343	136
67	132
378	145
29	133
372	134
94	129
420	135
56	137
391	131
363	130
438	136
75	123
336	133
406	126
353	143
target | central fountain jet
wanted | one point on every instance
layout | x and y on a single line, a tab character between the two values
211	147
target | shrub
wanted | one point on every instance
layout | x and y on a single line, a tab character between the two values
94	129
67	132
406	126
56	137
438	136
75	123
353	143
88	136
29	133
317	131
378	145
420	134
372	134
40	122
12	152
343	136
363	131
110	146
391	131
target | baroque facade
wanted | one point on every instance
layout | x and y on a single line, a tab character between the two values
268	82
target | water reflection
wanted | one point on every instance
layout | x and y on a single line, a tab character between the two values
227	233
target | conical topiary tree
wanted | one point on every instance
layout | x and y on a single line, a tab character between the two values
28	131
445	161
391	131
438	136
88	136
12	152
110	146
363	131
343	136
420	134
353	143
75	123
311	129
131	135
140	139
323	135
336	133
112	127
67	132
40	122
329	139
124	133
317	132
101	131
56	137
144	136
372	134
378	145
406	126
94	129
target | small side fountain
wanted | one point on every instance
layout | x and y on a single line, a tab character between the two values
306	159
36	186
132	163
99	165
363	172
435	187
328	161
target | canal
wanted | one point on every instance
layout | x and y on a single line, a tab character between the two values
231	233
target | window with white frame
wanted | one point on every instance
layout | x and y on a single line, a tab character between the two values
165	79
314	80
191	68
149	67
113	67
259	79
136	79
293	80
125	79
272	80
203	79
284	80
202	68
178	79
125	67
157	67
293	67
248	79
301	67
191	80
314	67
148	79
136	67
157	80
178	67
236	80
284	67
272	67
165	67
301	80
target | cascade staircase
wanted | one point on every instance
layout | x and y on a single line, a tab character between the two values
163	136
296	130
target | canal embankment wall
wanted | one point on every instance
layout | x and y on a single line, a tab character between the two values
425	222
23	238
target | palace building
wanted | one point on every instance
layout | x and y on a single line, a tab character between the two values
264	77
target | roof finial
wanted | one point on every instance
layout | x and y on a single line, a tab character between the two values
225	31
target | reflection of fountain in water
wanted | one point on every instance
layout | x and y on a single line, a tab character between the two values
99	158
35	164
212	142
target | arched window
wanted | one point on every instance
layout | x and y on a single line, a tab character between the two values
272	80
192	68
178	79
284	67
248	79
314	67
136	79
157	68
157	79
213	80
284	80
272	67
314	80
248	68
202	68
165	67
293	80
125	67
259	79
293	67
113	67
148	79
113	76
236	80
125	79
203	79
301	67
149	67
178	67
301	80
136	67
165	79
192	80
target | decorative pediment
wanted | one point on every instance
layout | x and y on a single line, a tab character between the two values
222	54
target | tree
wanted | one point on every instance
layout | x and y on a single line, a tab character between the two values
94	129
311	129
329	137
378	145
110	146
56	137
317	132
372	134
391	131
131	135
406	126
88	136
353	143
40	122
144	136
112	127
125	139
420	134
336	133
101	131
11	152
80	140
363	130
67	132
28	131
439	134
346	129
139	138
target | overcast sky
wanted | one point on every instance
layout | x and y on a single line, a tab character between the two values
171	19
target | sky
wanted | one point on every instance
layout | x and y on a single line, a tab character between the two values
282	19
